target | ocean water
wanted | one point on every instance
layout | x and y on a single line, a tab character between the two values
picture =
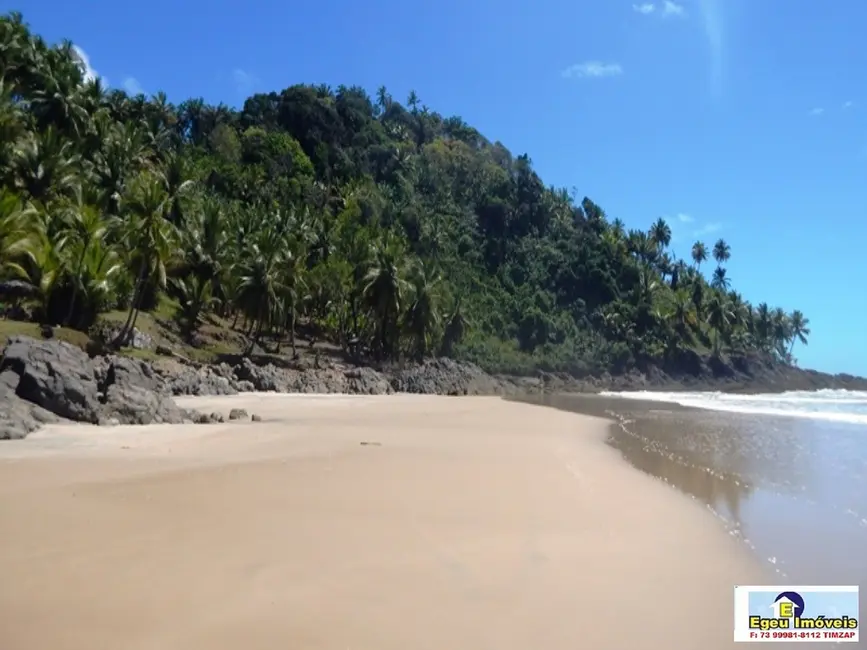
786	474
828	405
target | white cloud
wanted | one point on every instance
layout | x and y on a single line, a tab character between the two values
646	8
244	81
685	218
707	229
672	9
714	28
817	111
848	104
84	61
592	69
132	86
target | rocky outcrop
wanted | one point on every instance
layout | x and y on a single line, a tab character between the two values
448	377
268	377
46	381
50	381
17	417
54	375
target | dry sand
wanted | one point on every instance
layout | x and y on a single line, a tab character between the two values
473	523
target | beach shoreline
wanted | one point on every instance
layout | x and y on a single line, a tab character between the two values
388	522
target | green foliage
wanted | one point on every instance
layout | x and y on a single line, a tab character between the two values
390	230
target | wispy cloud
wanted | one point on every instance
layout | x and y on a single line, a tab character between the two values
711	13
244	81
685	218
848	104
133	87
817	111
667	8
670	8
707	229
84	61
591	69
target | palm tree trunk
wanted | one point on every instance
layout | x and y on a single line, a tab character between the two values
133	308
78	266
71	309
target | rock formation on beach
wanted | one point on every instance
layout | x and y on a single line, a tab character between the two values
45	381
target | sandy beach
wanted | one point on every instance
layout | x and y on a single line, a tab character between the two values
355	523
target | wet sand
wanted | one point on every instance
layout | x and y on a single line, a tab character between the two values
794	490
464	523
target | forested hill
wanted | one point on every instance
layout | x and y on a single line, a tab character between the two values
381	226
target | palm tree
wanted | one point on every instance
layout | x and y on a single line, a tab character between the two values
781	330
719	317
455	327
763	325
660	233
423	317
383	99
699	253
798	328
385	288
82	227
681	315
719	280
412	101
259	291
149	238
292	283
721	251
18	224
45	166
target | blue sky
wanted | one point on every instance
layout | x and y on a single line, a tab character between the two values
741	119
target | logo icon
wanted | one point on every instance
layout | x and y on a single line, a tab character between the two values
796	614
788	604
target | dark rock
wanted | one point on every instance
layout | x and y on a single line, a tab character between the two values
256	418
263	378
17	417
207	380
133	372
131	404
237	414
107	333
54	375
366	381
446	377
41	380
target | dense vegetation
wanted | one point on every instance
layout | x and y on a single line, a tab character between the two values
386	228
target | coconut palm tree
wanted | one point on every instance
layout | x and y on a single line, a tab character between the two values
149	239
82	226
660	234
721	252
422	316
385	289
719	281
681	315
18	225
781	330
699	253
719	317
798	328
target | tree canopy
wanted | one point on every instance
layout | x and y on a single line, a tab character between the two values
387	228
